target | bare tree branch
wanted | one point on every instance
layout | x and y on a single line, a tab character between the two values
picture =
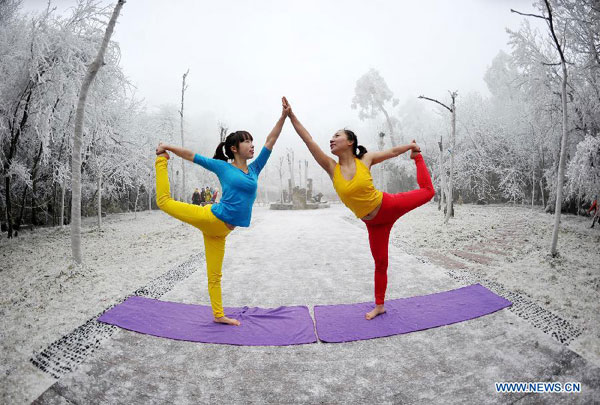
528	15
435	101
551	23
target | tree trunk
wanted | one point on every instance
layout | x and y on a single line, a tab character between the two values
77	138
449	209
290	159
15	134
561	164
442	199
3	210
390	126
137	194
99	200
183	188
19	220
305	178
34	170
533	182
450	205
381	145
542	193
174	183
34	220
54	204
280	187
62	204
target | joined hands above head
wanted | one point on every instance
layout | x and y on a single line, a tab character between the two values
286	108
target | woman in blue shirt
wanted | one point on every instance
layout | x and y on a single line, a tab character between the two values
238	182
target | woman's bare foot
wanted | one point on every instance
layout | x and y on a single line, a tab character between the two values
227	321
378	310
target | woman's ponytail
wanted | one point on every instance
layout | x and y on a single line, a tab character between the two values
358	150
361	151
219	153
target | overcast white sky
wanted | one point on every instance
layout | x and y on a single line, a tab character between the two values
244	55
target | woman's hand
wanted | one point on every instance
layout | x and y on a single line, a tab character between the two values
287	108
276	131
161	150
415	149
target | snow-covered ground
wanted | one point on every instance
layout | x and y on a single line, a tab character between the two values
511	244
44	297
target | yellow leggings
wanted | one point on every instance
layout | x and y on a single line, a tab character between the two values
213	229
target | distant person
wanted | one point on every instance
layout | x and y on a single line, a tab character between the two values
353	183
596	214
196	197
207	195
238	182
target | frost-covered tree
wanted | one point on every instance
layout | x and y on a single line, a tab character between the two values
452	110
583	170
547	14
92	71
372	96
44	60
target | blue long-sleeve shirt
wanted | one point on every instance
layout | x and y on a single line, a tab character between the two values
239	188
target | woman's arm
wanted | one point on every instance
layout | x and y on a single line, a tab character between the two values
372	158
327	163
276	131
181	152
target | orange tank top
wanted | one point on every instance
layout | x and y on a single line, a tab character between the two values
359	194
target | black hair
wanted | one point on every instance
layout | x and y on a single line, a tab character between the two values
224	151
355	147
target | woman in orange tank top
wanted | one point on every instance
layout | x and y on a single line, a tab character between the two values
352	181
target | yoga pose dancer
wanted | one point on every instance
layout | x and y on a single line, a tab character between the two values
238	182
353	183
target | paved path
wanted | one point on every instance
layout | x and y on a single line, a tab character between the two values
317	257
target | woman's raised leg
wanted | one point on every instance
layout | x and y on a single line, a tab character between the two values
192	214
401	203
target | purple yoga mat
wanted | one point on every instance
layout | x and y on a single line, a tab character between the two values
346	322
260	326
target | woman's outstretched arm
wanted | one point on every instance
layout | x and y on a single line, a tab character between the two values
181	152
372	158
276	131
327	163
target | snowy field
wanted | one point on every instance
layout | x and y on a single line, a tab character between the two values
510	245
303	260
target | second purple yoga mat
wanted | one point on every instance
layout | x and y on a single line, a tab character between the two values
346	322
260	326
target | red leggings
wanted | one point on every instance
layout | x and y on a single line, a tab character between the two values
393	207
